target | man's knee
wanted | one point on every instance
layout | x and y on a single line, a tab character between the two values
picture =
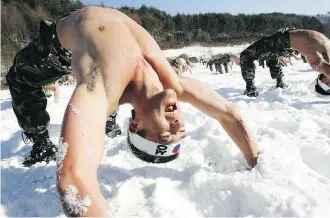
276	72
275	68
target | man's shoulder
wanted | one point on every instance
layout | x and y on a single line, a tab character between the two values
96	12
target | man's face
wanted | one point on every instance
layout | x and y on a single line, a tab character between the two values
161	119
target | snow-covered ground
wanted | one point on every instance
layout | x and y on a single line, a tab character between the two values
292	177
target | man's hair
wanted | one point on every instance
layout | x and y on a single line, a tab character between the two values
322	76
142	132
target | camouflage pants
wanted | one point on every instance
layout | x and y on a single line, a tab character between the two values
267	48
262	63
219	68
225	65
275	67
222	60
37	64
28	99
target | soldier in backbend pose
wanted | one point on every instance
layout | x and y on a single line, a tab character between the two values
314	45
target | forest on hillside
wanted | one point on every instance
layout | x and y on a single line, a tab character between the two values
170	31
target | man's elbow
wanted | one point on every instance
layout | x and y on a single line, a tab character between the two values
231	114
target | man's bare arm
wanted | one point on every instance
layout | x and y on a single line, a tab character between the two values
235	59
322	66
314	46
103	66
81	152
217	107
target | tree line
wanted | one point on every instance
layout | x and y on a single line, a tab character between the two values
215	28
20	20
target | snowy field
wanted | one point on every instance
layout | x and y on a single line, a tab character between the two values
292	177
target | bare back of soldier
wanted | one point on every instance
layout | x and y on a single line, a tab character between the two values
309	43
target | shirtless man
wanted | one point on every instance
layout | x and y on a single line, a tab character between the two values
116	61
314	45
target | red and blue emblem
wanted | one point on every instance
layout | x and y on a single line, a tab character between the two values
176	148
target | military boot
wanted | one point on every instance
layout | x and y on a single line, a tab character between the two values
280	83
43	148
251	89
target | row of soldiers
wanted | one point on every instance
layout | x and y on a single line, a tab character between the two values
274	50
184	62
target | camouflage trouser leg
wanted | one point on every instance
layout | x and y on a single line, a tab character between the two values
41	62
247	69
266	47
29	102
275	68
262	63
218	68
111	127
226	67
211	67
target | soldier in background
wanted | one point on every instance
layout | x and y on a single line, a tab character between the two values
267	48
312	44
223	59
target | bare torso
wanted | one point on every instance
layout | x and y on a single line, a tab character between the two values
308	42
121	46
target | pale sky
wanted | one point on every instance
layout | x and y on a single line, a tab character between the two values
308	7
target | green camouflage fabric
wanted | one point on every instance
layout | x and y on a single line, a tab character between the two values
267	48
41	62
261	63
275	67
290	52
224	60
218	60
210	64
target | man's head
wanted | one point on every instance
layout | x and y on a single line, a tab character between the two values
324	79
322	85
159	119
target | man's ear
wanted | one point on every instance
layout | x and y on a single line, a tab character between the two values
324	80
133	126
